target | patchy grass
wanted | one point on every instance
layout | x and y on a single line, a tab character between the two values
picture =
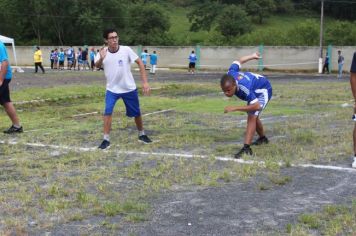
332	220
53	187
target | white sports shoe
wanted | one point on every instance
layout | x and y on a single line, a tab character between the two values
354	163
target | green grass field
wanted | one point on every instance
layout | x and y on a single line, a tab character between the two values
43	187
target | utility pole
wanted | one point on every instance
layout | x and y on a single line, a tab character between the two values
321	37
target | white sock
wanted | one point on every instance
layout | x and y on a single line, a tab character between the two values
17	126
107	137
140	133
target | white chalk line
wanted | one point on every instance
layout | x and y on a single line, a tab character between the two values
157	112
184	155
86	114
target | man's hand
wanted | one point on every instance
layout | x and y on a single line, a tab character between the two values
103	52
229	109
146	89
256	56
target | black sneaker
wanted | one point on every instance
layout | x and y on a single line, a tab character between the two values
104	145
261	140
144	139
244	150
13	129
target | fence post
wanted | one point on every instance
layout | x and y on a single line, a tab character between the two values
139	50
260	61
330	47
197	50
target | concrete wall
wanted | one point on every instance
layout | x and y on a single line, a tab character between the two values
296	58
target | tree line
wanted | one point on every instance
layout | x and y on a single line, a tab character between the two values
147	22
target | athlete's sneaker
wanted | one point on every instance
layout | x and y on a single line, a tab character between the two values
104	145
245	150
144	138
260	140
354	117
354	163
13	129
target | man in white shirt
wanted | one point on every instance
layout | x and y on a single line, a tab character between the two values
116	61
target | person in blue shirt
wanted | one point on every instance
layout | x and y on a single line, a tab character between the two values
70	58
61	59
253	88
5	101
51	57
326	64
153	62
144	56
92	55
192	60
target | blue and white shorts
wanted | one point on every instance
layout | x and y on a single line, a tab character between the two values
130	100
263	99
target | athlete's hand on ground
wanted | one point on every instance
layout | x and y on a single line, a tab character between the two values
146	89
229	109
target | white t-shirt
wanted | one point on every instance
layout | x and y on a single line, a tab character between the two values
117	69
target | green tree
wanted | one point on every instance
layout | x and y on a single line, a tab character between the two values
260	8
203	15
284	6
233	21
148	25
305	33
341	33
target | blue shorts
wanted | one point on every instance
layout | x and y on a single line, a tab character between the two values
353	64
130	100
263	99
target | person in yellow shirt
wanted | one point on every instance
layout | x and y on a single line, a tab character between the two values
37	57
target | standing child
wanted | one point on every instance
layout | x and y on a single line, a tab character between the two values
256	90
144	56
340	62
192	60
55	64
51	58
61	57
92	58
153	62
37	57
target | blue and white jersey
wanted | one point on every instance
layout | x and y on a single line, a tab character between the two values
251	87
4	57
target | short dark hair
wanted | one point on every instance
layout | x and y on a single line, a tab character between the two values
227	78
107	32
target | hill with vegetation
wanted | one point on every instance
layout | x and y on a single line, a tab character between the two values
179	22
